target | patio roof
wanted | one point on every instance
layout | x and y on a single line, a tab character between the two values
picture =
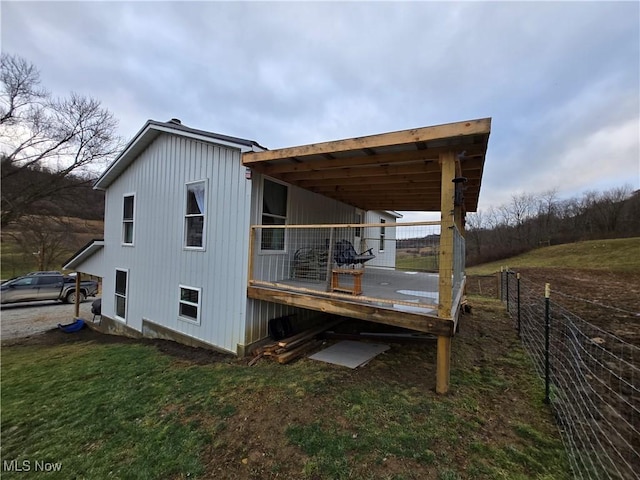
390	171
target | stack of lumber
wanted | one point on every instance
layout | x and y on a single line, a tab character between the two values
288	349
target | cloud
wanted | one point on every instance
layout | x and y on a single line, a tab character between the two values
560	79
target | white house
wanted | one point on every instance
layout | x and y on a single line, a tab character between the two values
175	254
208	237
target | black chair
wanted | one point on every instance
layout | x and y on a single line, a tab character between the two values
345	254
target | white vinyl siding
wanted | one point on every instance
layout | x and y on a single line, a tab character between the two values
121	292
190	304
160	261
195	215
128	214
386	256
274	212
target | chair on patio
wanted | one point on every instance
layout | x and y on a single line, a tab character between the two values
345	254
310	263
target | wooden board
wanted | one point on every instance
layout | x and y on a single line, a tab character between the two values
413	321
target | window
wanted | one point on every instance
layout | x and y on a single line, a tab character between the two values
121	293
127	219
194	220
274	212
189	308
357	232
382	235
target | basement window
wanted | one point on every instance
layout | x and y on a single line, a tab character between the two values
189	304
121	293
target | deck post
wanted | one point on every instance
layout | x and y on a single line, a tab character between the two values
443	364
77	302
330	258
445	269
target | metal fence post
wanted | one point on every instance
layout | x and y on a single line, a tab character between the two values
518	296
507	288
547	329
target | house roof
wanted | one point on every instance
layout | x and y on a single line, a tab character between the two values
150	131
83	254
390	171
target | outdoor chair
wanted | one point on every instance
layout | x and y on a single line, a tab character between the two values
345	254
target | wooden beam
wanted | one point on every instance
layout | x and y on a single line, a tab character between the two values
433	184
453	131
380	180
321	163
362	172
76	309
413	321
443	364
445	286
385	197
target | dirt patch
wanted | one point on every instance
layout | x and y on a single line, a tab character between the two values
610	301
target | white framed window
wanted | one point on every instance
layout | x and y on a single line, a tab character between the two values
275	197
189	305
195	215
128	215
382	235
121	292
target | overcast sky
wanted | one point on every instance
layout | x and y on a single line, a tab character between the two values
561	81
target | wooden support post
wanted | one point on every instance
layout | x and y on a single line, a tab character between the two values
443	364
331	247
77	303
445	272
252	239
447	213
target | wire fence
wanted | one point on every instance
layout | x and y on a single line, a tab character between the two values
591	380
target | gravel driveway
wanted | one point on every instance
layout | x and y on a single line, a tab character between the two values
25	319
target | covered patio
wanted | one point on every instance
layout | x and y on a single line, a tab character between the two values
437	168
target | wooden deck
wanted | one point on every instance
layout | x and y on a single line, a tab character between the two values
392	297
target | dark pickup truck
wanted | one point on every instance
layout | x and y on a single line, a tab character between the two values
38	286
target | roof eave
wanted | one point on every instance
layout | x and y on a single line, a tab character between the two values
150	131
83	254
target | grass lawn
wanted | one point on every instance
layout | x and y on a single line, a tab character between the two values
117	408
617	255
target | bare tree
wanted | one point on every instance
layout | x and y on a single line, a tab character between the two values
44	238
66	137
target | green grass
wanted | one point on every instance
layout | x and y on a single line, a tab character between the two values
617	255
420	263
130	411
13	261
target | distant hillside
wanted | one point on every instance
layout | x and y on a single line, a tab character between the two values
617	255
72	196
43	243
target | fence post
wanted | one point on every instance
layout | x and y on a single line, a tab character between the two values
507	289
518	293
547	329
500	283
330	259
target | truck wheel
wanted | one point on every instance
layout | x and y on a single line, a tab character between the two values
71	297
